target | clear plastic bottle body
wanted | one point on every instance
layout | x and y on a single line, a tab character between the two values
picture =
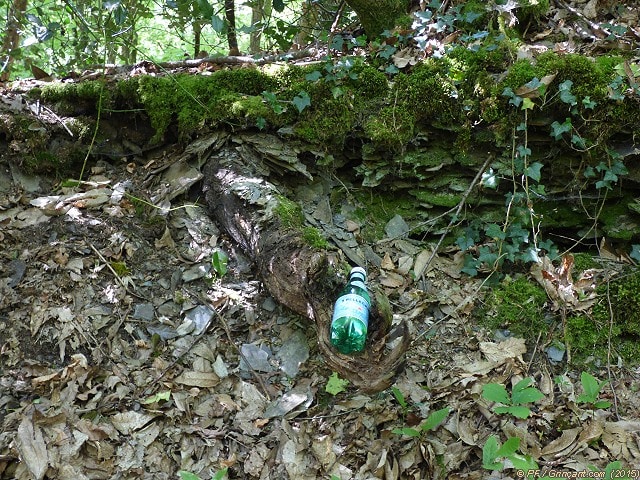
350	320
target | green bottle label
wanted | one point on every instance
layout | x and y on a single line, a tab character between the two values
352	305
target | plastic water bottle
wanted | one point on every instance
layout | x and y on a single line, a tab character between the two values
350	319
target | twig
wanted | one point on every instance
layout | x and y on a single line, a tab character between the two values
115	274
239	350
461	204
216	59
613	389
146	391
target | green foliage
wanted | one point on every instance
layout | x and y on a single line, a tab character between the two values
518	305
219	475
493	454
514	404
588	335
335	384
219	260
591	391
432	422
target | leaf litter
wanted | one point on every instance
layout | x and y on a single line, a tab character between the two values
123	355
166	366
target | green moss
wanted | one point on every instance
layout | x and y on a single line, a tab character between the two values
369	83
588	79
392	128
375	210
120	268
289	213
429	94
520	73
614	319
583	261
313	237
439	199
517	305
327	121
291	216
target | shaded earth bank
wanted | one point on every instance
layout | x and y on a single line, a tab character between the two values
169	313
129	352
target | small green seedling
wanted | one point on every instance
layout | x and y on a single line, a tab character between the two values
186	475
401	400
219	260
432	422
592	388
521	394
494	455
335	384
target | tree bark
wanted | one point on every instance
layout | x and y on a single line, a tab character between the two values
11	37
299	276
230	14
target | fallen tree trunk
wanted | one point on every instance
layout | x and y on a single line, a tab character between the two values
299	276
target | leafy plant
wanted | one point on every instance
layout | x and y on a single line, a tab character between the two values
335	384
219	475
431	423
494	455
219	260
591	390
399	396
514	404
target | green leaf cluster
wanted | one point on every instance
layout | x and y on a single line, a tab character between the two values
432	422
514	404
591	391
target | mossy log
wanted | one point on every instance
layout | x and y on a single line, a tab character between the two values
300	276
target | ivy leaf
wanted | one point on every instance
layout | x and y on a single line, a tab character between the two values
494	230
206	10
278	5
335	384
558	129
302	101
217	23
533	171
565	93
313	76
588	103
527	104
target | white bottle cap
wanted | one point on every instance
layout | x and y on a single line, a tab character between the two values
359	271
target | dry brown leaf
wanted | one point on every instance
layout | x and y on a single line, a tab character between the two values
387	263
32	447
563	445
129	421
526	91
198	379
499	352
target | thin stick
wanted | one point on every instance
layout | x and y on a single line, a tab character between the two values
613	389
461	204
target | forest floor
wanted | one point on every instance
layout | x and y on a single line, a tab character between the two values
126	354
127	351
